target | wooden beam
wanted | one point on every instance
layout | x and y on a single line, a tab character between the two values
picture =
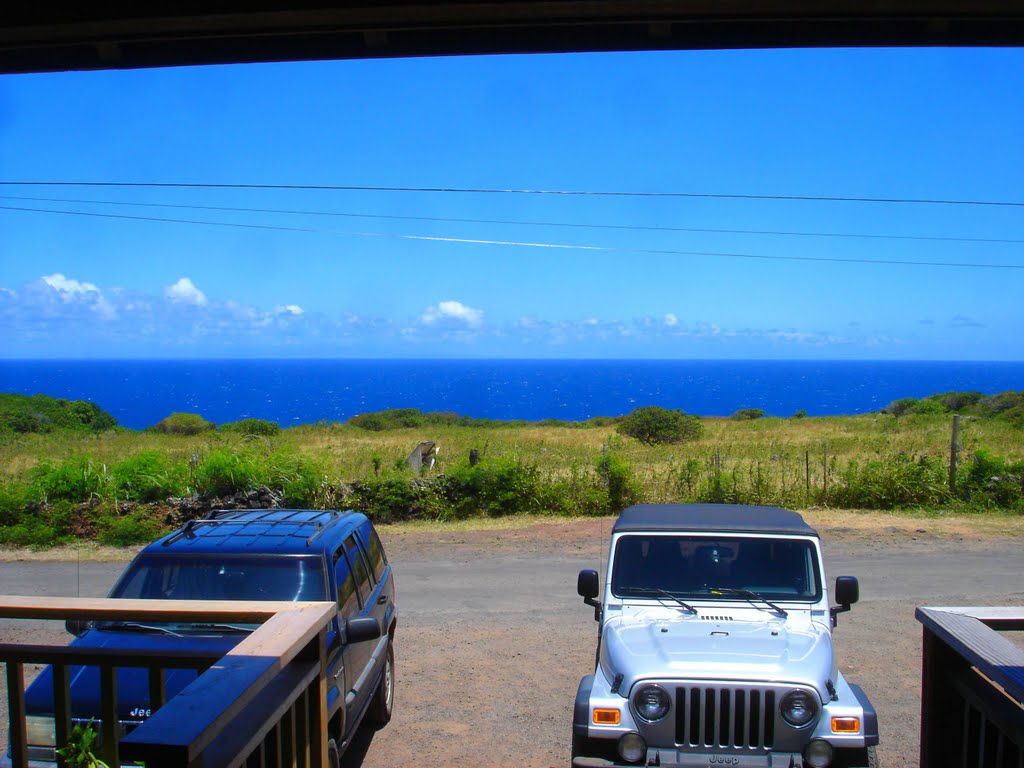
190	721
86	608
994	656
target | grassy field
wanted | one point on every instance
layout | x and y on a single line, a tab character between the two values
121	486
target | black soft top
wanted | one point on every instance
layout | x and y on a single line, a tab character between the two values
732	518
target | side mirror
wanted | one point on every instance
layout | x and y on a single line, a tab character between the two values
78	627
587	584
847	590
847	593
588	587
361	629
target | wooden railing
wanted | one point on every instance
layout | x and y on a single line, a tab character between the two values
264	703
972	688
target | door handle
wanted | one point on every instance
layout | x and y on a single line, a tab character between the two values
382	599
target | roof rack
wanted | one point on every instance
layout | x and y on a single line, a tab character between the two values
218	517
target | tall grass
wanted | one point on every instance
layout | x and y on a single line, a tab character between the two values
876	461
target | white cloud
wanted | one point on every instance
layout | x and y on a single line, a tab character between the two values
289	309
452	310
69	289
671	321
185	292
73	291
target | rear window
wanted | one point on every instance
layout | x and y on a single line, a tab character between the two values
374	551
168	577
696	566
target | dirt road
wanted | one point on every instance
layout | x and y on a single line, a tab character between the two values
492	638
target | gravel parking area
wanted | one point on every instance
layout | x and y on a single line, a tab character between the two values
493	639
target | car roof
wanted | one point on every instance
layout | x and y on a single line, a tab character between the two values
731	518
258	531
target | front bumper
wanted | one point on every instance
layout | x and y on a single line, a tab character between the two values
671	758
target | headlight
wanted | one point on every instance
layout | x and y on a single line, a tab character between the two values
798	708
40	731
651	702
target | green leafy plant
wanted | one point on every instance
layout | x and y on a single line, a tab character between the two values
80	750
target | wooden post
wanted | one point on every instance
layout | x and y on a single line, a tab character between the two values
954	449
824	471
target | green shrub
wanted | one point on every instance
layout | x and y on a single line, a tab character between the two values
79	478
624	488
494	488
13	498
224	472
32	533
396	497
255	427
747	414
134	528
183	424
993	481
148	476
897	481
40	413
652	425
801	414
395	418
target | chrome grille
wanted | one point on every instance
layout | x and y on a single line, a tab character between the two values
725	716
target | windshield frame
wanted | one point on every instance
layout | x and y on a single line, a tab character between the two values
724	540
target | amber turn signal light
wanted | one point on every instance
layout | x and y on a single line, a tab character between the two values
845	725
606	716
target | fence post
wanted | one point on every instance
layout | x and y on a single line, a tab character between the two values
824	471
954	449
807	471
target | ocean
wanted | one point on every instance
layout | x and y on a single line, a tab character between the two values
139	393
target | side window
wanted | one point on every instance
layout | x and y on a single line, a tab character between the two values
359	569
375	552
348	597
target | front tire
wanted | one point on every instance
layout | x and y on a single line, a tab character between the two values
333	758
383	702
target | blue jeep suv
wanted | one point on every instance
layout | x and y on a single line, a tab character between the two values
292	555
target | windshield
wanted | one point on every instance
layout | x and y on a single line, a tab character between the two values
720	568
158	577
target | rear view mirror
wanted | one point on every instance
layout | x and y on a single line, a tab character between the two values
847	590
587	584
359	630
847	593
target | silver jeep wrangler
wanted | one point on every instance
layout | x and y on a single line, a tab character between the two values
715	646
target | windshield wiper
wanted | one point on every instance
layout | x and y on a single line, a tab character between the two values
225	627
665	593
749	595
136	626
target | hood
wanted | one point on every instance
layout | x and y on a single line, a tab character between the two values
690	648
132	682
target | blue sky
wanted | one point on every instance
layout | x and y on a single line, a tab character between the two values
936	124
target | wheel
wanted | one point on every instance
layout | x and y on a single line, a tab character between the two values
384	697
856	758
333	759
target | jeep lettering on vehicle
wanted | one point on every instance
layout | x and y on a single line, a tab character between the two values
715	645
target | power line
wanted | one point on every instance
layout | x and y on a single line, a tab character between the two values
517	222
486	191
559	246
